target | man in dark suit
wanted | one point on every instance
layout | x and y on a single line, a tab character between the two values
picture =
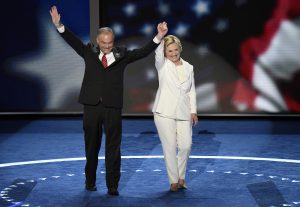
102	96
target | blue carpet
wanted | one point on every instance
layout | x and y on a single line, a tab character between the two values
224	169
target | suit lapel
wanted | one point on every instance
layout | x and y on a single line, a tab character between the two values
174	74
186	71
118	54
95	56
95	53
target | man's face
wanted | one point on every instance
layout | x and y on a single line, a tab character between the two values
105	42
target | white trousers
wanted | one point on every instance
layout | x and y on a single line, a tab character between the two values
174	134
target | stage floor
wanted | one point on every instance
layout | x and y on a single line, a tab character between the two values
233	163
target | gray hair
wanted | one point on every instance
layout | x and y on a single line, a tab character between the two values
105	30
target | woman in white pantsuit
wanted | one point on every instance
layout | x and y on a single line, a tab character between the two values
174	108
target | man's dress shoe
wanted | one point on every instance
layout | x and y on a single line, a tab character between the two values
113	192
91	188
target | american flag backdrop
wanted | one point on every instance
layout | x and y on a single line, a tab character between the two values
245	53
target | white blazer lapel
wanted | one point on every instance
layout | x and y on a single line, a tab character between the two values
186	71
172	73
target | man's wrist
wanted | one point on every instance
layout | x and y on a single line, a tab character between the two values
60	28
158	38
59	25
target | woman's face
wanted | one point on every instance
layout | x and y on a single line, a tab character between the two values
173	53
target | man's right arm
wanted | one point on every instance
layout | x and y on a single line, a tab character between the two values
68	36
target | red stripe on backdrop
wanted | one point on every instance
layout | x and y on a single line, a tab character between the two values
253	47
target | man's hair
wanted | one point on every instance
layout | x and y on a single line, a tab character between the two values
105	30
170	39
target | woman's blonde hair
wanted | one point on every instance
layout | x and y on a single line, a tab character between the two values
170	39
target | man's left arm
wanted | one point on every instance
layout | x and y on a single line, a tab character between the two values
139	53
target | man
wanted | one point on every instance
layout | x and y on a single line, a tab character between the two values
102	96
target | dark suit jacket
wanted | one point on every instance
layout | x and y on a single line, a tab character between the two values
100	84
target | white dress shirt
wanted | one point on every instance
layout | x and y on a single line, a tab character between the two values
109	56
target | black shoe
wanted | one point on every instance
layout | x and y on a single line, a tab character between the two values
113	192
90	188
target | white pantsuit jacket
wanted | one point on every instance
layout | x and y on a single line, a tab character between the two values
174	99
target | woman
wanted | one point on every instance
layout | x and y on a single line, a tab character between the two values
174	108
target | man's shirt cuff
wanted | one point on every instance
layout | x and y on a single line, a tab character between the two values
62	29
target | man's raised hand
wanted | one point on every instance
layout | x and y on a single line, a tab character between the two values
55	16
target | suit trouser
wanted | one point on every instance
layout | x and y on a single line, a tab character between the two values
95	119
174	133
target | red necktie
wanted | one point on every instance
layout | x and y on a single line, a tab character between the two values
104	61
